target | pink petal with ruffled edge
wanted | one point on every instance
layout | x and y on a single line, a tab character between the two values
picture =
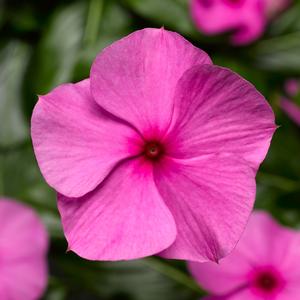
135	77
217	111
291	109
23	252
245	18
211	198
75	142
124	218
264	243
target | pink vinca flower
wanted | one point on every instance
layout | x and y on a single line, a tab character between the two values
23	252
292	88
156	153
246	19
264	265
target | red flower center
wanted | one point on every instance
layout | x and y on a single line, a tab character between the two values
153	150
266	281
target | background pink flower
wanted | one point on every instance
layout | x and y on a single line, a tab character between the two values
291	109
264	265
153	154
287	104
246	19
23	251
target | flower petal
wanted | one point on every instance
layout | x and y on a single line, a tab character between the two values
244	294
264	243
268	243
135	77
26	279
75	142
22	234
246	19
23	251
211	198
218	111
124	218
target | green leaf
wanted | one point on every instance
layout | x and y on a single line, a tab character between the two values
113	23
279	178
139	279
288	21
278	54
20	179
55	291
58	50
173	14
13	62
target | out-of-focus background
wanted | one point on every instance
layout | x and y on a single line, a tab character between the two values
46	43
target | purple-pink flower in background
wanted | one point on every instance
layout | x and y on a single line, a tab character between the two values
23	252
156	153
264	265
245	19
292	89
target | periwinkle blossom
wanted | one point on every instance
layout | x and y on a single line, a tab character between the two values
287	104
156	153
246	20
264	265
23	252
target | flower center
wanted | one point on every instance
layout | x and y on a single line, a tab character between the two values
206	3
237	3
153	150
266	281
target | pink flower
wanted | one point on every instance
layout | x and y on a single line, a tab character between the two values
264	265
23	250
292	88
246	19
156	153
291	109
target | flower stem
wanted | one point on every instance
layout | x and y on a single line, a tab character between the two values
92	22
173	273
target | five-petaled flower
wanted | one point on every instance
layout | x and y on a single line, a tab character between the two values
264	265
23	252
246	19
156	153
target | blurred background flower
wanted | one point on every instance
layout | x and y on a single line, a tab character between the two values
290	103
23	252
246	20
264	265
46	43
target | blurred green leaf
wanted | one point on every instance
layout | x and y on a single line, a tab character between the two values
13	62
279	177
278	54
136	280
20	179
56	290
58	50
174	14
114	22
288	21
